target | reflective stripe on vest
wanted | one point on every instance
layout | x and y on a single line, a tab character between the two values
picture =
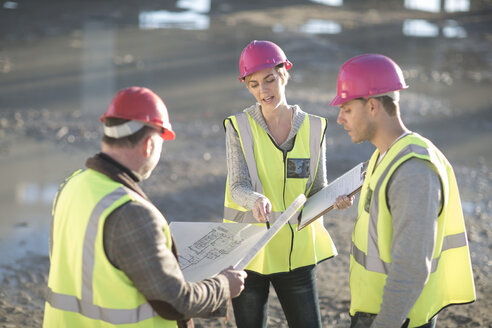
372	261
248	146
84	306
375	264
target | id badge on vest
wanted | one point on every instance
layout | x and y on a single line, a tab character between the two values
298	168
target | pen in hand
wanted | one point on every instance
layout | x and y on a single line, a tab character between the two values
262	210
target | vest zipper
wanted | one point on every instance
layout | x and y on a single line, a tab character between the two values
285	207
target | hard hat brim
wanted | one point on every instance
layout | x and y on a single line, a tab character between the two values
337	101
168	134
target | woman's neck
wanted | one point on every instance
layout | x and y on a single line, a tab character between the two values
276	115
279	123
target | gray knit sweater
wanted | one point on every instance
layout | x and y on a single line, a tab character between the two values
239	181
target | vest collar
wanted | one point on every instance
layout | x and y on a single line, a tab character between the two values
106	165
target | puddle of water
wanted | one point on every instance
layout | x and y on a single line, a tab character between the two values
426	29
321	26
329	2
424	5
435	6
420	28
31	193
452	6
200	6
194	18
10	5
35	171
165	19
453	30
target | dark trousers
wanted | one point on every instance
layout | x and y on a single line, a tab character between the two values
296	291
364	320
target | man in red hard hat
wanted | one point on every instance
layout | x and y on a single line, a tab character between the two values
113	260
409	256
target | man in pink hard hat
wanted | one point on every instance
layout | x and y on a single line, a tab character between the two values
113	258
409	256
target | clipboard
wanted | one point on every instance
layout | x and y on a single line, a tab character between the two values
349	183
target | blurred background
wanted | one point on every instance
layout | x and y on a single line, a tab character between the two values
61	62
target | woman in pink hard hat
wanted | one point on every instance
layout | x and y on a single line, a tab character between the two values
276	151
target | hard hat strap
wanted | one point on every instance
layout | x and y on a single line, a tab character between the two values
123	130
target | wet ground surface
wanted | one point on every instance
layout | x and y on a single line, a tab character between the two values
61	63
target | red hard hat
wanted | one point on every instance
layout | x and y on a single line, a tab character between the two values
367	75
259	55
141	104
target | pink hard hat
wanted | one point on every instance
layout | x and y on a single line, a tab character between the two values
141	104
259	55
367	75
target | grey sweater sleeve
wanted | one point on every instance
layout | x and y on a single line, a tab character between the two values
320	180
135	243
414	199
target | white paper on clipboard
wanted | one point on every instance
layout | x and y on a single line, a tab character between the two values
320	203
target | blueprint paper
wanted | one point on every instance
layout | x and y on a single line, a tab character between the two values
206	248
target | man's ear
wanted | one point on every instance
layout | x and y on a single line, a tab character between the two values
374	106
148	146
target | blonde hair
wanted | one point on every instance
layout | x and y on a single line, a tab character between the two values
282	71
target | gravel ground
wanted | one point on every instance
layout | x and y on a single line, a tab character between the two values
196	177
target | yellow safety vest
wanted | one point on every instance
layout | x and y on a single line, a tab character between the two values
451	279
282	176
84	288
